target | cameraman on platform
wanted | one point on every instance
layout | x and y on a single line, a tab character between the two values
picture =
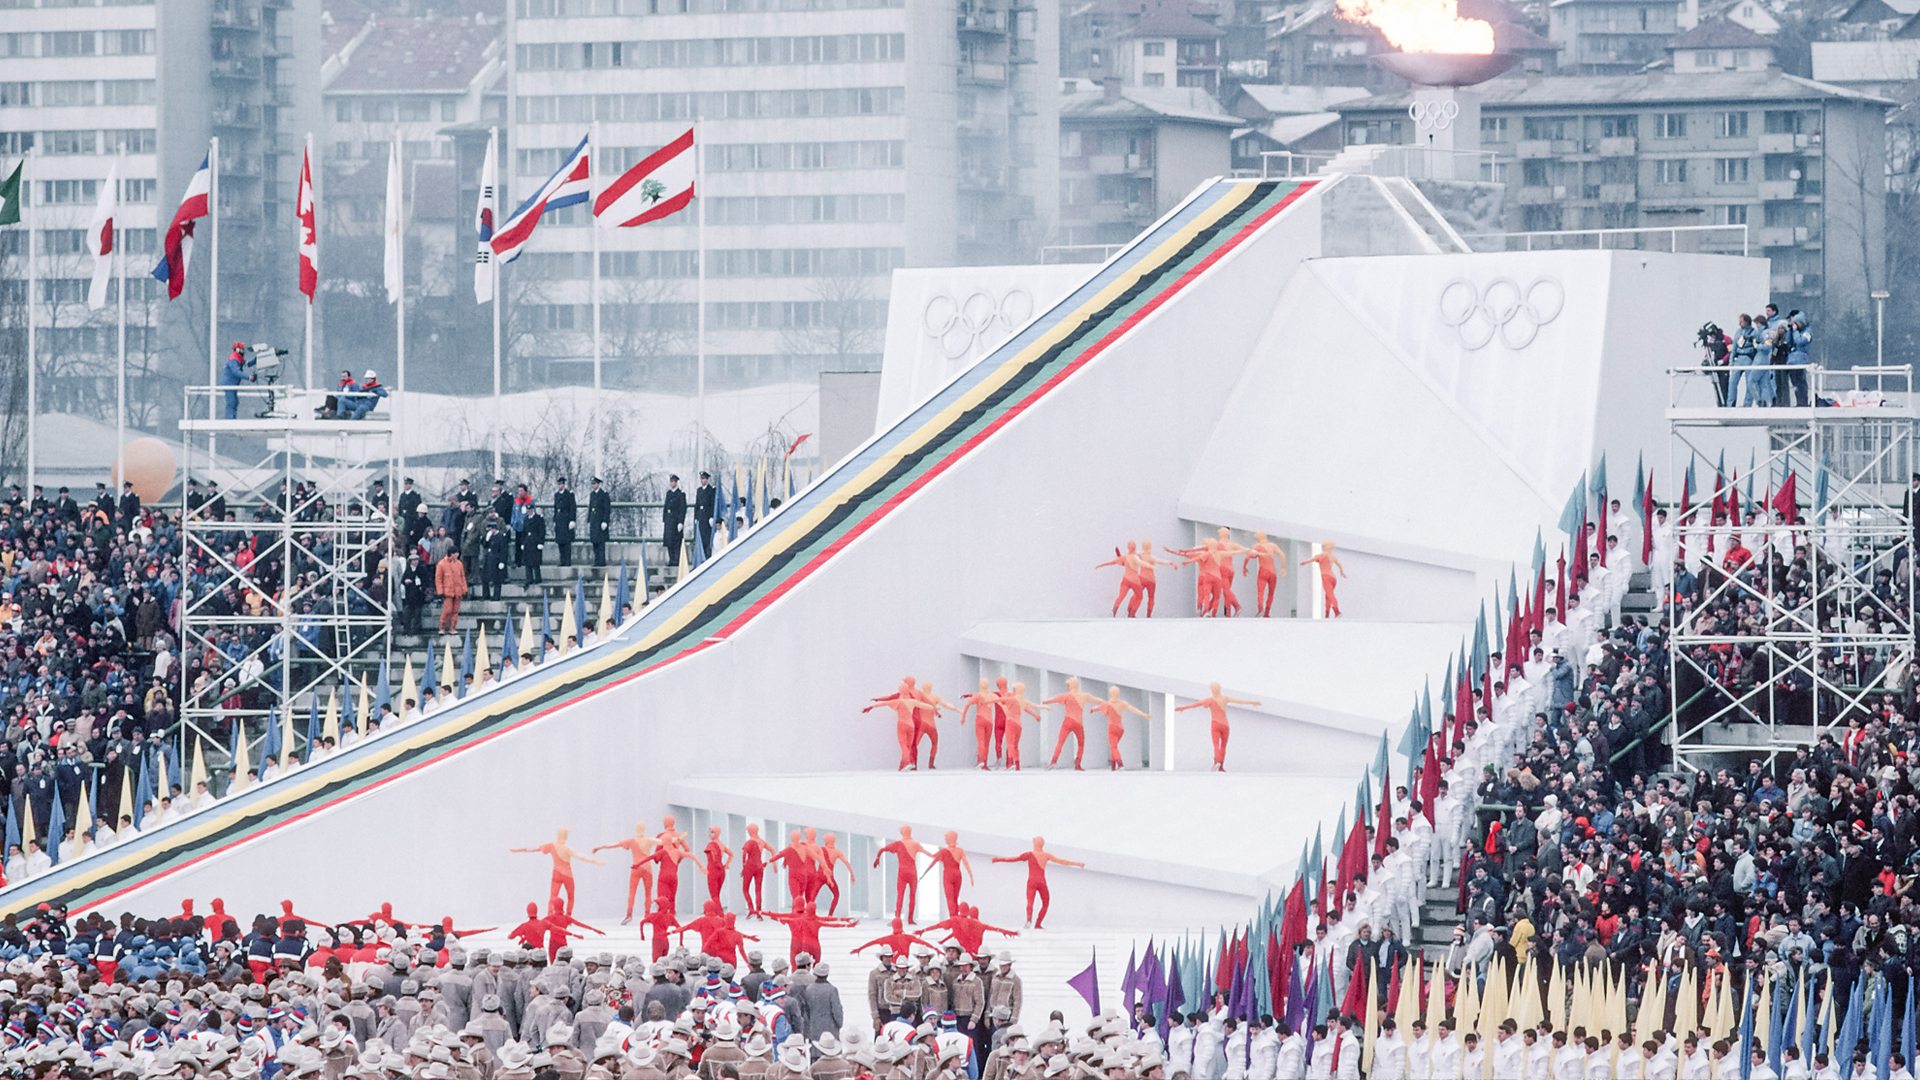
237	369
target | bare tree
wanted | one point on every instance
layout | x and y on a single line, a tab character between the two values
845	320
644	320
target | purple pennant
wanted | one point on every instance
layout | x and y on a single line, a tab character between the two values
1087	983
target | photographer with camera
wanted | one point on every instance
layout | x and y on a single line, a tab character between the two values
237	369
1714	341
1746	354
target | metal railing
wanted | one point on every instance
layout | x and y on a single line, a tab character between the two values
1847	387
1605	239
1437	163
1292	164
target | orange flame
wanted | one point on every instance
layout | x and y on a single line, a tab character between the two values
1422	26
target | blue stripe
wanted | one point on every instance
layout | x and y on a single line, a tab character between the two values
565	167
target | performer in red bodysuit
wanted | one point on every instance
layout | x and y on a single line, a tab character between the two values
753	871
1073	702
982	703
1268	555
803	927
925	720
718	857
1206	580
1129	562
952	859
1216	704
639	848
729	943
831	856
1148	560
223	925
1014	704
1037	861
1328	563
531	934
563	856
660	922
1225	550
799	864
669	853
906	724
711	919
286	913
967	931
906	853
558	920
1000	720
1115	710
897	942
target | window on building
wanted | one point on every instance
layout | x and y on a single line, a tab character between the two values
413	110
1670	171
1153	48
1740	58
1153	78
1070	144
1733	214
343	111
1733	125
449	110
1613	127
377	111
1544	127
1730	170
70	43
1786	122
1706	58
1671	125
1493	127
1534	173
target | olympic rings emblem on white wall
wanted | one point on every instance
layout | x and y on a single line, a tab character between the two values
1438	115
960	325
1503	309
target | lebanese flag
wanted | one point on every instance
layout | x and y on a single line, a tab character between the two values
178	246
659	186
100	240
309	234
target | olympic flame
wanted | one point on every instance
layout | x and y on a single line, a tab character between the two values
1422	26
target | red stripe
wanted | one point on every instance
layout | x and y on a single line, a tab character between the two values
641	171
793	579
663	208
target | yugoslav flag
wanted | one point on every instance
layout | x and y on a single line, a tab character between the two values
100	240
179	240
661	184
568	186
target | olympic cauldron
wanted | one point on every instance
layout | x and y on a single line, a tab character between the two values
1445	112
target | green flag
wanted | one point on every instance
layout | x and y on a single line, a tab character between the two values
11	196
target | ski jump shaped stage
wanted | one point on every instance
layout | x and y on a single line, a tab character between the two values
1318	359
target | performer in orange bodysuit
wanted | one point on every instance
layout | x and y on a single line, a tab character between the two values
906	853
1129	577
831	856
531	934
906	724
1115	711
1014	703
1148	560
287	912
1328	563
967	931
803	926
1206	578
563	857
809	845
1073	702
1037	861
718	857
660	921
1000	721
1216	704
1224	551
952	859
898	941
1268	554
639	849
982	703
753	871
924	721
670	852
799	864
558	920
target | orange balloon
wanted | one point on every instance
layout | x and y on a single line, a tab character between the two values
149	463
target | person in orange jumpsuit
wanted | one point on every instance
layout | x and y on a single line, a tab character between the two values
803	927
897	942
924	721
906	853
718	857
799	864
830	857
661	922
1073	703
907	708
1268	555
982	702
1216	704
809	845
1206	581
1224	550
1115	710
639	848
1328	563
1129	563
563	856
952	860
966	930
753	872
669	853
1014	703
1037	861
1000	721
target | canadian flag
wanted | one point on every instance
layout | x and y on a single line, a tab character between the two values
309	234
100	240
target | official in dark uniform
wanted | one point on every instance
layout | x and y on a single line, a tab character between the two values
496	545
409	500
502	500
533	543
703	511
599	521
566	518
673	518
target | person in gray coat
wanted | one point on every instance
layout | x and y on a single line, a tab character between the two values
492	1026
820	1001
456	990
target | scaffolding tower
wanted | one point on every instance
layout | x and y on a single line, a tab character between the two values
1764	663
287	597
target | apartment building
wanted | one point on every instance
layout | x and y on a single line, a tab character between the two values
1129	153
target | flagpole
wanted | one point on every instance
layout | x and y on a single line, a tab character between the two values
593	226
213	292
25	195
400	328
314	194
700	313
493	268
120	379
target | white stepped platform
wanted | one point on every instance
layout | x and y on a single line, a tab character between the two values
1045	960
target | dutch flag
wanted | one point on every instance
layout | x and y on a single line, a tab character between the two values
570	185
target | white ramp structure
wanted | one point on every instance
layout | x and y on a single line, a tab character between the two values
1320	360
